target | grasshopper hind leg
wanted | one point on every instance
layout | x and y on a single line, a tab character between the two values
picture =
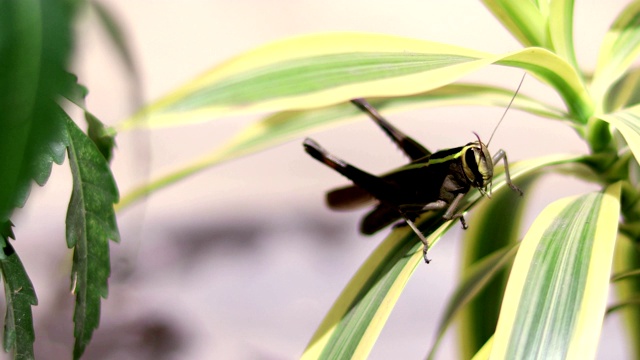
409	146
377	187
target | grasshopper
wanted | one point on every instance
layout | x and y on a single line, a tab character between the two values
431	181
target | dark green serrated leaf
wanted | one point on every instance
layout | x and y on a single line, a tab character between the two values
74	91
35	43
90	224
103	137
19	296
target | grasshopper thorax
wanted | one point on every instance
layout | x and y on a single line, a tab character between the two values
478	165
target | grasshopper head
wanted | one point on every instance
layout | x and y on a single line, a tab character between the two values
478	165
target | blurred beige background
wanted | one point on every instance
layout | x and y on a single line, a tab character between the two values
243	260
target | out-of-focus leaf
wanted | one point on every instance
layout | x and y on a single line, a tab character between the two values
475	280
627	122
624	93
556	296
354	322
90	224
619	49
526	20
485	351
319	70
116	34
35	44
289	125
624	275
6	232
561	30
20	297
494	225
102	136
74	91
627	257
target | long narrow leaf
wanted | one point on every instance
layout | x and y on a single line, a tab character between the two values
524	19
475	279
279	128
557	292
627	257
495	225
319	70
561	30
627	121
354	322
619	49
90	224
625	93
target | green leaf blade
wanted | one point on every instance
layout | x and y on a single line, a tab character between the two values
90	224
619	49
557	291
20	296
34	50
476	279
627	257
354	322
289	125
561	30
627	121
526	20
325	69
495	225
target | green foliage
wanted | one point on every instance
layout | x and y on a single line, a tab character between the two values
91	223
307	81
19	296
36	44
34	48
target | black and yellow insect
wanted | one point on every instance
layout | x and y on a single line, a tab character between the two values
431	181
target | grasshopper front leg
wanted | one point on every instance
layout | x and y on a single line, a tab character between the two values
502	155
436	205
439	205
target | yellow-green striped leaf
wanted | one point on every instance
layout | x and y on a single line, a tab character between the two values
485	351
619	49
526	20
494	225
625	93
354	322
289	125
627	121
561	30
476	278
627	260
557	291
319	70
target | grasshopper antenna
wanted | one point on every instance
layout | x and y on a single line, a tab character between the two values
507	109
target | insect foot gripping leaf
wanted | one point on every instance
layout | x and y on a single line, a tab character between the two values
431	181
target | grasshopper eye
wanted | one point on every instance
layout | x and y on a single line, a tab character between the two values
473	163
